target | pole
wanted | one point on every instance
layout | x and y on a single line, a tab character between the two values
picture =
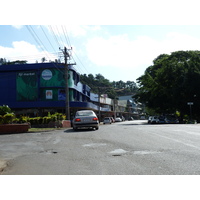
99	104
66	85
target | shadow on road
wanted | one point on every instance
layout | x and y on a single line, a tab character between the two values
79	130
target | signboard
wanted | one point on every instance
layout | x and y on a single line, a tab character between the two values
52	77
49	94
26	86
190	103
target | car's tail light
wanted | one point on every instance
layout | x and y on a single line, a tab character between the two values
95	119
77	120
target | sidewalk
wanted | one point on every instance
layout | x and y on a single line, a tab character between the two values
3	165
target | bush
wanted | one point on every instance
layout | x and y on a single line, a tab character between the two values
4	110
8	118
1	119
46	120
43	120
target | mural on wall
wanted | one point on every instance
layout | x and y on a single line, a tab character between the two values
27	86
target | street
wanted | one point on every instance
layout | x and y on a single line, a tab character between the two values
123	148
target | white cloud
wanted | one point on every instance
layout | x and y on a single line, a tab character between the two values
22	50
17	26
72	29
121	51
125	58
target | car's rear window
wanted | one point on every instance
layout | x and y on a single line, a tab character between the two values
85	113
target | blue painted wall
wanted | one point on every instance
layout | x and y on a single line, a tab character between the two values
9	94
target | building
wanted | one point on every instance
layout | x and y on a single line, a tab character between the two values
134	109
36	89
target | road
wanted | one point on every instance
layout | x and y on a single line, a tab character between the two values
124	148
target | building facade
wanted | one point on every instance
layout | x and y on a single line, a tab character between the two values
36	89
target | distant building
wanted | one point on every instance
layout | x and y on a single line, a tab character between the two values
131	106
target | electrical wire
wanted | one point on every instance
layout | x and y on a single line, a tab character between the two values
52	31
47	38
66	36
37	39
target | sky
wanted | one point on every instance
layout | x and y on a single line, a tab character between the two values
118	52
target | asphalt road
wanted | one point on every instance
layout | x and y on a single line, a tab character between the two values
124	148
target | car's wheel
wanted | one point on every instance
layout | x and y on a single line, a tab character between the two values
97	128
75	129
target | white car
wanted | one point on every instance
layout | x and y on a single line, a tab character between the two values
154	120
85	119
107	120
118	119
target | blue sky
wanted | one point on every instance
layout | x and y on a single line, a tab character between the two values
118	52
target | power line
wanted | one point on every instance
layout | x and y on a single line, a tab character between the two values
60	36
52	31
47	38
66	36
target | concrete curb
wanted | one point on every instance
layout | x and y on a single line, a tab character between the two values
3	165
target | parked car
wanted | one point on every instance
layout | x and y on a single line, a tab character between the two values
107	120
118	119
154	120
112	119
85	119
149	119
171	120
130	119
162	120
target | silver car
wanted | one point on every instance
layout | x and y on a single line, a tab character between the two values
85	119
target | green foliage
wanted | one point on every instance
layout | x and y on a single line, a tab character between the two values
4	110
116	88
1	119
6	115
42	120
3	61
8	118
171	82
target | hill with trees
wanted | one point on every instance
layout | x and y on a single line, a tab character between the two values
99	83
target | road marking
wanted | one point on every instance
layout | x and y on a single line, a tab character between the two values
178	141
188	132
145	152
118	152
94	144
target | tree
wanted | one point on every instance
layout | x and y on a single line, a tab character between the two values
113	89
171	82
43	59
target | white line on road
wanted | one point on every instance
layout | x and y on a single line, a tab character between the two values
178	141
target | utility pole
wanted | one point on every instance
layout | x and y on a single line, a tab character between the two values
67	112
66	56
99	101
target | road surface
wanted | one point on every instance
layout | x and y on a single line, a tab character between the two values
123	148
